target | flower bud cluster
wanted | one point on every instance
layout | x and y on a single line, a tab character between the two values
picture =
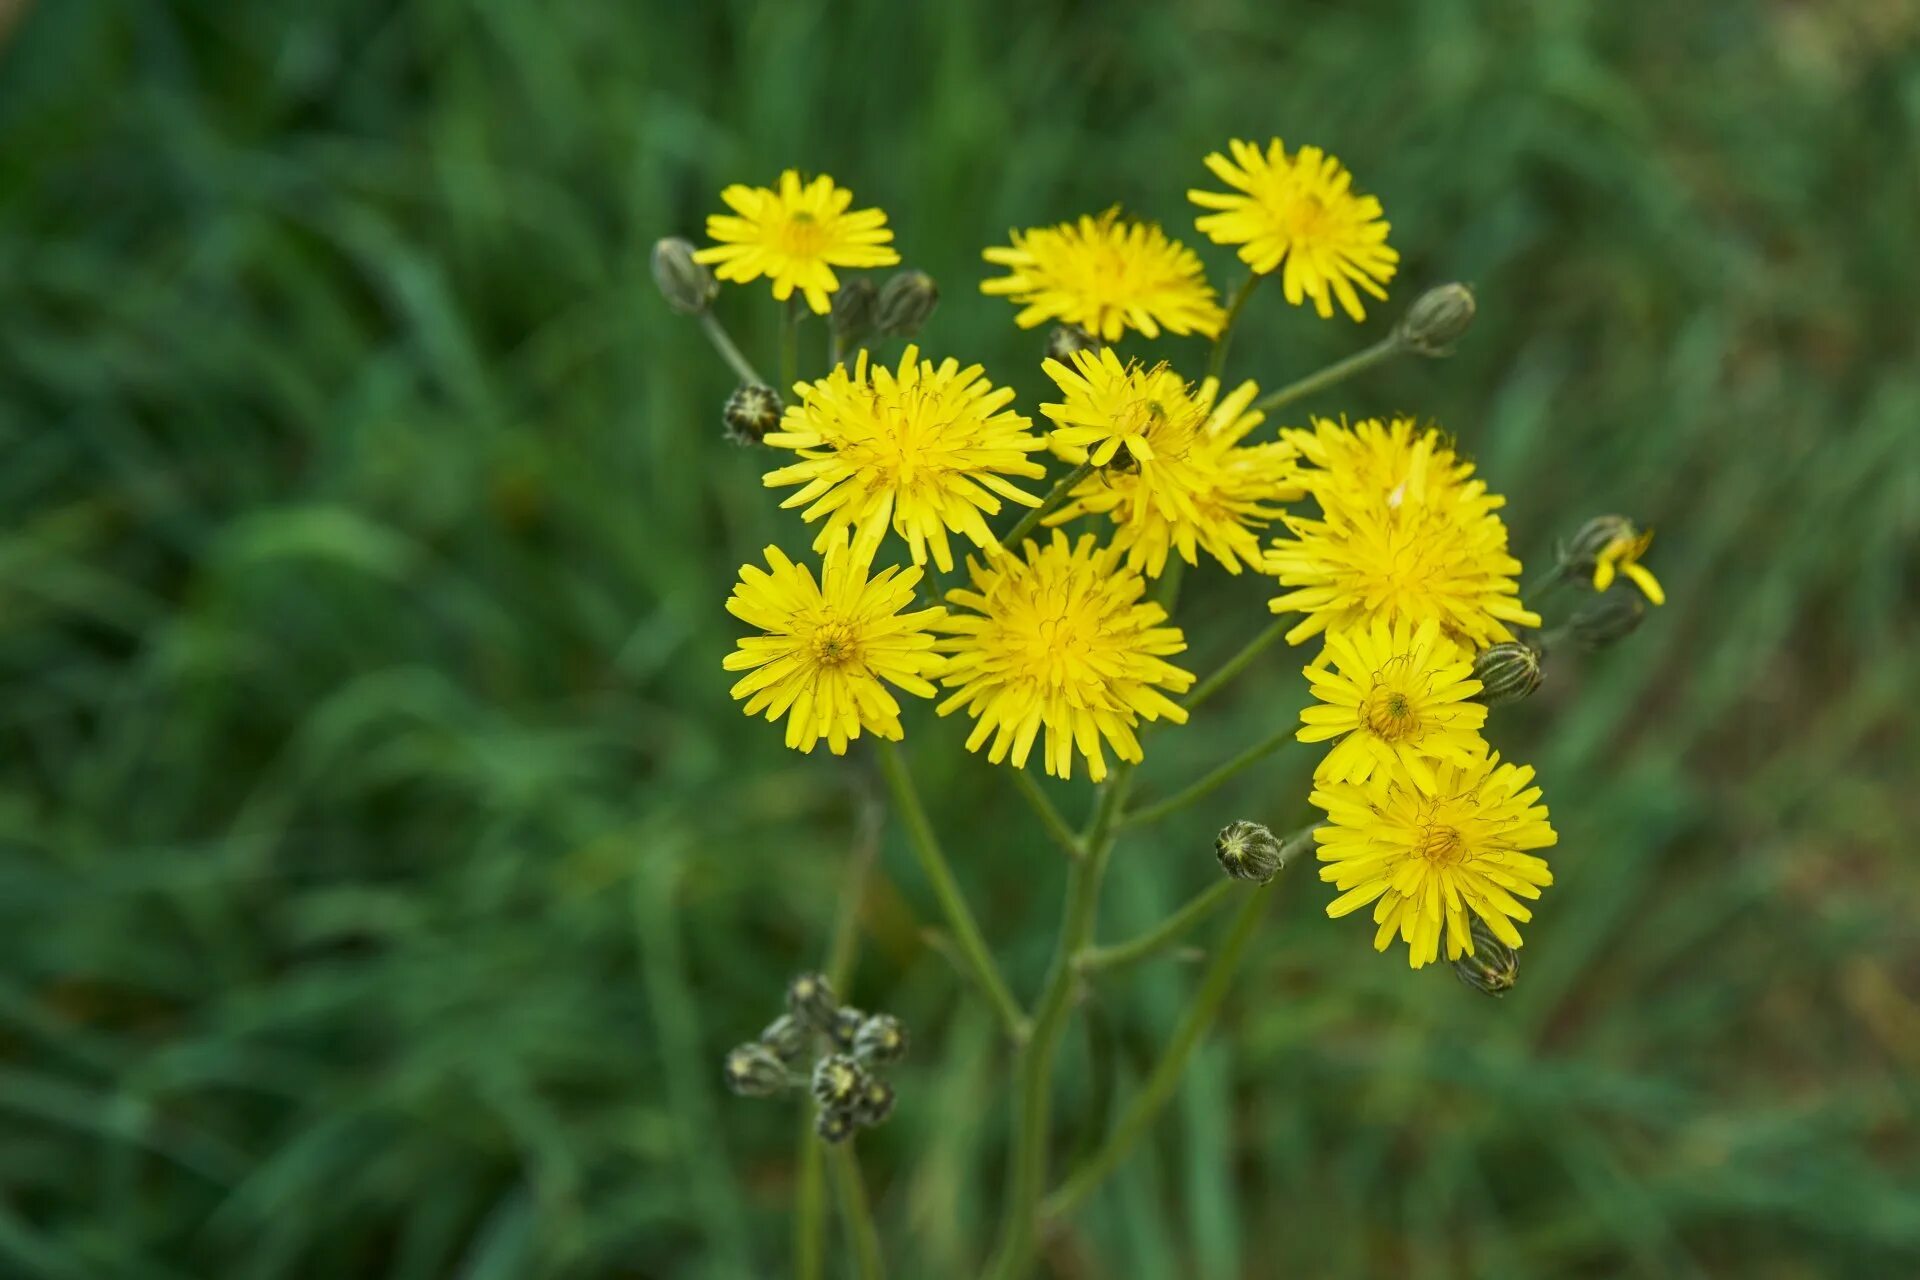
831	1050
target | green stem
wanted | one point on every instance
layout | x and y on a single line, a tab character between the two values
966	934
717	334
809	1204
1212	782
790	346
1235	665
1163	935
1544	581
1055	496
854	1215
1049	816
1159	1086
1339	371
1027	1164
1217	358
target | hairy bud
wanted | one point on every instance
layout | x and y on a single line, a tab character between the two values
855	306
875	1102
751	412
837	1081
1612	617
1248	851
835	1124
688	287
847	1022
1493	967
753	1071
905	303
1437	319
1507	672
1581	554
811	1002
880	1040
787	1038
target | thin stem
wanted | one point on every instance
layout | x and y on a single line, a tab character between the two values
809	1202
1212	782
1217	359
966	934
1338	371
1027	1165
854	1215
870	819
1049	816
1235	665
717	334
1163	935
1055	496
1546	580
1159	1086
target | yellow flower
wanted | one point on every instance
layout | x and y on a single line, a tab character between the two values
1300	211
795	236
1105	274
1062	640
1427	856
924	448
1199	488
1405	533
1395	695
1622	555
827	645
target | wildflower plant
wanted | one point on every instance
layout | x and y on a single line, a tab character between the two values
1058	641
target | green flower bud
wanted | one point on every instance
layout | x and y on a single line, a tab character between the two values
1612	617
1507	672
854	307
1248	851
751	412
1582	553
847	1022
1437	319
688	287
875	1102
753	1071
905	303
1067	339
787	1038
881	1040
837	1081
1493	967
811	1002
835	1124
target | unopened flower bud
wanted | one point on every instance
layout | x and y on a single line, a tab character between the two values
787	1038
854	306
835	1124
847	1022
1493	967
881	1040
1613	616
1437	319
811	1001
1248	851
751	412
1067	339
753	1071
1507	672
837	1080
875	1102
688	287
905	303
1582	553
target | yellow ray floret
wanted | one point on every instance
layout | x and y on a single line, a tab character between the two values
1395	694
1199	486
1300	214
1059	639
1105	274
1405	533
826	646
924	448
1622	555
1428	857
795	236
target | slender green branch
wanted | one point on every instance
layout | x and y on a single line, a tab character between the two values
966	933
809	1202
1339	371
790	346
855	1218
1055	496
1545	580
1159	1086
1236	664
1049	816
1162	936
1212	782
717	334
1217	358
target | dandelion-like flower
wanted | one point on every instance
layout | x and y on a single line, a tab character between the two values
1059	639
826	646
1405	533
1622	555
1426	857
1105	274
924	448
795	236
1300	211
1199	486
1395	694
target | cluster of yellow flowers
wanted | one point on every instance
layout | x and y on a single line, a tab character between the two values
1403	569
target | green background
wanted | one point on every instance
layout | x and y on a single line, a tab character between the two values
384	869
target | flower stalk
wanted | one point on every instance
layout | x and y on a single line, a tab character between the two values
1104	961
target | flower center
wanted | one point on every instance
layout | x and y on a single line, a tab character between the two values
1306	218
802	236
1388	710
1441	844
834	645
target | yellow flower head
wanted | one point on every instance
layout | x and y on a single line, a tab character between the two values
1105	274
924	447
825	646
1427	856
1059	639
1622	555
1199	488
1303	212
1396	694
1405	533
795	236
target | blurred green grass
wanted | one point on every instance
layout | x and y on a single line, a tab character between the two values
384	869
